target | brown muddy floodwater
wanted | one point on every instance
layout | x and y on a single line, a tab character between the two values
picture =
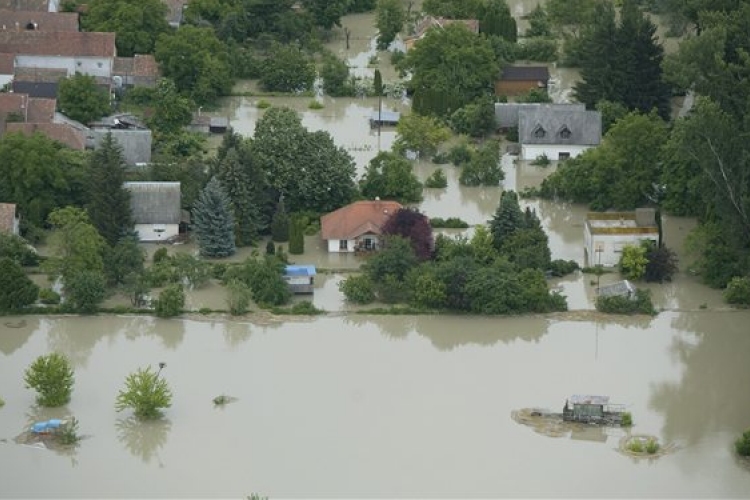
371	406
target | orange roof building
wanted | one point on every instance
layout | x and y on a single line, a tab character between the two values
356	226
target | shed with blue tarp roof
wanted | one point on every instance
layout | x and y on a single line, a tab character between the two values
300	278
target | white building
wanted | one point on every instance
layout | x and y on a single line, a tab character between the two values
357	226
607	233
557	132
156	208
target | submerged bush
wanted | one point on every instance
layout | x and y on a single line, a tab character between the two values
51	376
559	267
171	301
358	289
449	223
627	419
618	304
652	446
742	445
436	180
738	291
146	393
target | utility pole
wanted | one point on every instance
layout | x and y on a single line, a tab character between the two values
378	84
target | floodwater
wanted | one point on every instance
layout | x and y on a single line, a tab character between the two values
383	406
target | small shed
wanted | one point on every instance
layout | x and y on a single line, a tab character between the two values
156	209
585	408
218	125
300	278
385	118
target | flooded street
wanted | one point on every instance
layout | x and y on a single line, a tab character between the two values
364	406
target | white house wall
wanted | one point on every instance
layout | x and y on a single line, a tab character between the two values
5	80
334	246
156	232
552	151
94	66
610	247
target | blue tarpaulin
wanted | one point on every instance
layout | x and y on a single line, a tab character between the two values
46	426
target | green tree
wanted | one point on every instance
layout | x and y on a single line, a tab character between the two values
171	302
528	248
420	134
197	62
484	167
436	180
389	20
539	23
327	13
18	250
476	119
85	290
391	177
213	221
662	264
633	262
80	98
40	175
280	223
451	67
453	9
239	178
52	377
124	258
738	291
171	111
265	278
508	218
282	145
396	259
297	236
75	244
192	271
611	112
238	297
358	289
336	79
495	19
287	69
146	392
109	201
16	289
137	23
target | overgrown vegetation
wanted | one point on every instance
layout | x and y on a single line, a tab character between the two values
146	393
742	445
617	304
51	376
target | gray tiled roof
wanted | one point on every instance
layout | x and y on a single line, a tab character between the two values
506	113
155	202
547	124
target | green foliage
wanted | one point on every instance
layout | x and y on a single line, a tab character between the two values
358	289
484	167
535	95
281	144
495	19
213	221
171	111
451	67
633	262
51	376
391	177
124	258
460	154
326	13
171	302
197	62
49	296
39	175
336	79
742	445
297	236
16	289
621	173
635	445
617	304
162	254
389	20
662	264
427	291
396	259
476	119
652	446
287	69
109	201
191	270
280	223
611	113
453	9
559	267
76	245
238	297
80	98
542	161
420	134
527	247
270	248
262	104
68	432
305	308
738	291
450	223
137	23
537	49
627	419
436	180
539	23
508	218
85	290
146	393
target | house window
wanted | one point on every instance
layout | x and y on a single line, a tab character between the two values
539	132
369	244
344	245
565	132
562	156
99	65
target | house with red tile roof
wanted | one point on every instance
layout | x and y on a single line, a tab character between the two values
90	53
30	5
9	220
24	20
141	70
60	132
356	226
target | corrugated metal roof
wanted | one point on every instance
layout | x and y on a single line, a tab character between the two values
578	399
155	202
300	270
386	116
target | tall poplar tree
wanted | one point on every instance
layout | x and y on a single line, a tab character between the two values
237	183
109	201
213	221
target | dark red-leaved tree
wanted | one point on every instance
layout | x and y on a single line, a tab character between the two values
411	224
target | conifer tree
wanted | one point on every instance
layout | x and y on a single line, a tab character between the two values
239	187
109	201
213	221
598	67
280	223
297	236
508	218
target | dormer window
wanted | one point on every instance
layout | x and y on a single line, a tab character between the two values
565	132
539	132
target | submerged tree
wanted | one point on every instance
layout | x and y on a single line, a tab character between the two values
52	377
146	392
213	221
16	289
280	222
413	226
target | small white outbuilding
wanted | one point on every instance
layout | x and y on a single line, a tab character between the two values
607	233
156	208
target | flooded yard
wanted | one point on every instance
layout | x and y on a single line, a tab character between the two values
370	406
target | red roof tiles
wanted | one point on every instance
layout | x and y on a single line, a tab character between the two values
22	20
59	132
58	43
356	219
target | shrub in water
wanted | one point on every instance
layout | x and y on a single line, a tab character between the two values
738	291
636	446
358	289
146	393
160	255
49	296
306	307
627	419
263	104
449	223
69	432
617	304
742	445
436	180
171	301
51	376
652	446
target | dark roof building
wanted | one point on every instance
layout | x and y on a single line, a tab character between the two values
21	20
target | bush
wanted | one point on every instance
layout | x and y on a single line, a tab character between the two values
436	180
270	248
68	434
449	223
196	272
358	289
633	262
238	297
662	264
559	267
160	255
146	393
16	289
537	49
306	307
17	249
315	105
511	135
397	56
460	154
742	445
171	302
616	304
542	161
738	291
635	445
440	158
652	446
85	291
51	376
49	296
627	419
262	104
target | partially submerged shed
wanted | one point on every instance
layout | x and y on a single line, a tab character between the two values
385	118
300	278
